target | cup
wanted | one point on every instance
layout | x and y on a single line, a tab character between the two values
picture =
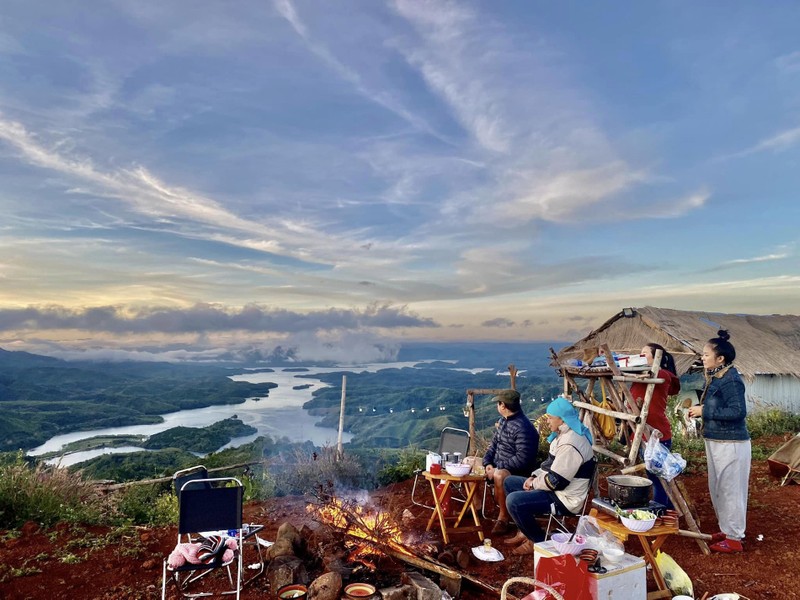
436	469
487	544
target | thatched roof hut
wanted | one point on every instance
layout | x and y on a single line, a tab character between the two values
767	346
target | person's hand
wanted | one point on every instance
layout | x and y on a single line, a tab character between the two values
528	484
696	411
489	472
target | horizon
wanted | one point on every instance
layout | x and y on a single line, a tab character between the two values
239	179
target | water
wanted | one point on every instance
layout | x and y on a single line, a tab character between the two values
280	414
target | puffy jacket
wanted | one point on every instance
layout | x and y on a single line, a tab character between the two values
514	445
724	408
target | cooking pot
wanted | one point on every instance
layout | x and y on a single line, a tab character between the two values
627	491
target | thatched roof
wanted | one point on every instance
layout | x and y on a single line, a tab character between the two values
765	344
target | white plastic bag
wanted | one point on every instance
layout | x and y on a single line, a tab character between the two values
659	461
596	537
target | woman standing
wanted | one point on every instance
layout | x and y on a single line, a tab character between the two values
657	414
728	453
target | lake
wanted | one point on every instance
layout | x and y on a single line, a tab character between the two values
280	414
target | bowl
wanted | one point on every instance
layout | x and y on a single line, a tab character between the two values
457	469
612	555
638	525
295	590
562	545
359	591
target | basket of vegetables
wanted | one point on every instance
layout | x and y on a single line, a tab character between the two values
637	520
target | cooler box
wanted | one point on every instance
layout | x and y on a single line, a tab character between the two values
626	579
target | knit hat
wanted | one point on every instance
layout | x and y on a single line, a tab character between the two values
510	398
563	409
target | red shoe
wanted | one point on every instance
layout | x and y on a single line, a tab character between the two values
718	537
727	546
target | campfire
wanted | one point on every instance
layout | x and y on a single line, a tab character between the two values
372	533
368	532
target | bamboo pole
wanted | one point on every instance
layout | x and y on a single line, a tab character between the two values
604	411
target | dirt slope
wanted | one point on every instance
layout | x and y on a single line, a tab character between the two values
65	563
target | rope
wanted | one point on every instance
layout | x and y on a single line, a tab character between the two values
534	582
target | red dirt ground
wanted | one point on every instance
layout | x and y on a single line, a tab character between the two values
62	563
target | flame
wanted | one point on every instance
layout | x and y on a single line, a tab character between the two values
377	529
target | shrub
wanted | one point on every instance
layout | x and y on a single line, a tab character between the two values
402	468
147	505
317	471
46	495
772	422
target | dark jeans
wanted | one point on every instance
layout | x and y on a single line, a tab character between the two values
524	505
659	493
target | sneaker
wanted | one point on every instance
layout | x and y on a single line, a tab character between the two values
727	546
718	537
502	528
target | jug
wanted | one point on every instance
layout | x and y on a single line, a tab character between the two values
432	458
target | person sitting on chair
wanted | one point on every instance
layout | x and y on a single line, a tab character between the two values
512	451
560	486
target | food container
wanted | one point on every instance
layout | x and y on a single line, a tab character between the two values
562	544
612	555
628	491
457	469
294	591
359	591
638	525
432	458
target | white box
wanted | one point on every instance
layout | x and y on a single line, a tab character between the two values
625	579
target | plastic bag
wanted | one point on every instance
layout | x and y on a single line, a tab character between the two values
660	461
563	573
597	537
676	578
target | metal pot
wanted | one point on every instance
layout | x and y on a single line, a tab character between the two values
627	491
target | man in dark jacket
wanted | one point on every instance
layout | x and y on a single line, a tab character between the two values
512	451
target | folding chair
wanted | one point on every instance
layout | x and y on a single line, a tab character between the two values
205	508
184	476
451	440
559	521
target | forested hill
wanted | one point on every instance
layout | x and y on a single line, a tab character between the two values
42	396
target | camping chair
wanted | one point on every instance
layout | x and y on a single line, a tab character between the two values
451	440
559	521
204	508
198	472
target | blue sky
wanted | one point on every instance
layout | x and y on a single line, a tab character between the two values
182	180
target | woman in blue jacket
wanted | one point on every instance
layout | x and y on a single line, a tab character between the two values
728	451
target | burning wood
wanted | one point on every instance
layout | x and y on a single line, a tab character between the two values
377	532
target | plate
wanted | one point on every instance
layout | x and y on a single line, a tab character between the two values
494	555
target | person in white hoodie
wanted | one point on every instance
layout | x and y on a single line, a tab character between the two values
560	485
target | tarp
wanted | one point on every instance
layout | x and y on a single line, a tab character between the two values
785	462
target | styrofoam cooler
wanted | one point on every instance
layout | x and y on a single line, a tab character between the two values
625	579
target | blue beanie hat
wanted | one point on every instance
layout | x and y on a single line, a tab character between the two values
563	409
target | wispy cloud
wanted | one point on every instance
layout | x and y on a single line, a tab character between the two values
776	143
207	318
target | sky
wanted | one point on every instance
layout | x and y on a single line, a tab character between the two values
186	181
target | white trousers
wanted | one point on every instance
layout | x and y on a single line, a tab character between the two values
728	479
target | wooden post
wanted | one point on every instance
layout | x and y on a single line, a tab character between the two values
339	449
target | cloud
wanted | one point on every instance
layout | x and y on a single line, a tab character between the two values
206	318
776	143
498	322
789	63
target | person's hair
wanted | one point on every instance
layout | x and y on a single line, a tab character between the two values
667	361
722	347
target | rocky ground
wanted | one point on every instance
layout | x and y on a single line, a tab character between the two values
98	563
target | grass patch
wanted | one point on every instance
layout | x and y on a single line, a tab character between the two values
46	495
